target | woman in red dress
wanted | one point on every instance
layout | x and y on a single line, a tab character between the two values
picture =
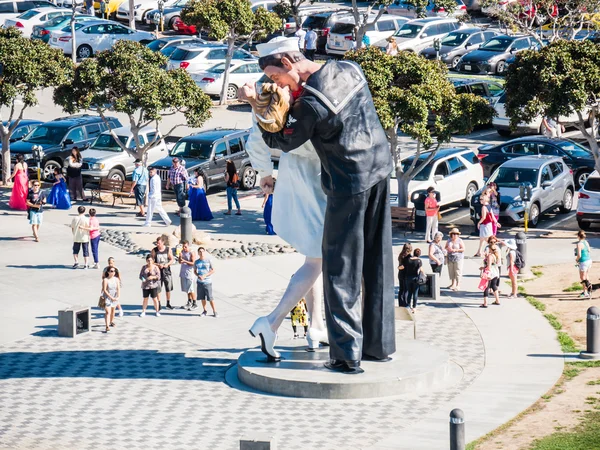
18	198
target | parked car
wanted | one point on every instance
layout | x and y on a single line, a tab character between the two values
579	159
24	127
403	8
342	38
209	151
42	31
458	43
92	37
322	23
454	172
492	55
57	137
68	4
172	42
181	27
26	21
111	7
304	11
9	9
170	14
552	187
416	35
106	159
241	72
491	90
199	57
588	205
140	9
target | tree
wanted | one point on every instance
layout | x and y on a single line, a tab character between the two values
130	79
561	79
287	8
413	95
421	6
26	67
230	20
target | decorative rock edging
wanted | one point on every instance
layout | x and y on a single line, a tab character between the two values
122	240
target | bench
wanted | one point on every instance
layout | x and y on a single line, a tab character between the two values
403	217
117	188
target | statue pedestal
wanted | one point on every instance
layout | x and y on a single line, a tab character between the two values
415	367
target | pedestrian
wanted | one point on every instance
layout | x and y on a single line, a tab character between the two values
35	204
138	189
491	273
511	264
20	189
267	205
111	290
81	237
155	199
436	253
584	262
150	276
485	223
404	255
163	257
392	46
204	268
299	317
187	276
94	229
413	266
455	249
233	184
111	265
310	44
178	177
551	128
432	209
198	203
59	195
74	164
301	35
494	195
89	4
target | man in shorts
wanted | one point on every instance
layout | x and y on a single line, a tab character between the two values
187	276
203	268
140	182
163	257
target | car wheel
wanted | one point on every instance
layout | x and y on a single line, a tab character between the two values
584	225
48	171
581	178
116	174
567	202
172	21
534	215
500	67
232	92
248	178
504	133
455	61
471	189
84	51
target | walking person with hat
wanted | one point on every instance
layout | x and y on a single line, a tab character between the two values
178	177
140	182
511	263
455	248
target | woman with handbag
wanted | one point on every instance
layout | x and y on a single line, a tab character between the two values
111	291
437	253
150	276
402	283
490	271
485	223
233	183
413	267
455	248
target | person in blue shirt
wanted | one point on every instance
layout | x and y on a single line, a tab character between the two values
203	268
140	182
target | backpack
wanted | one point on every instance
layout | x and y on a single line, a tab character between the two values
519	260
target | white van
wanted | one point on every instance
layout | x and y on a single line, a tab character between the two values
417	35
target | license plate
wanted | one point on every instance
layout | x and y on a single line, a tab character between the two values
54	39
467	67
337	44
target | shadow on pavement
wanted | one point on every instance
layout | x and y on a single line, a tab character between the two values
41	266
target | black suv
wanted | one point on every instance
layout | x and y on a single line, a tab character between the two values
321	24
209	152
57	138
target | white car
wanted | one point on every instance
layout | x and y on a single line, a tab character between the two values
197	58
588	204
240	73
454	172
96	36
417	35
140	9
25	22
341	37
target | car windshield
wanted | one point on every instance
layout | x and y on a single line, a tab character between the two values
409	30
219	68
45	134
29	14
168	51
423	175
496	45
78	25
182	54
514	177
156	45
197	150
574	150
108	143
56	21
180	3
343	28
455	39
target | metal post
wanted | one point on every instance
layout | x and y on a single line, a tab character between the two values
186	224
457	429
521	239
593	334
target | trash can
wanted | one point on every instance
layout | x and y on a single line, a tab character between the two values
418	199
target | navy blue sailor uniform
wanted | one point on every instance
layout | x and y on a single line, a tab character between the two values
336	113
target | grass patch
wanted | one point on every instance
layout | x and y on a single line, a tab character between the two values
571	372
593	383
579	321
537	273
553	321
574	287
536	303
567	343
584	364
585	436
521	290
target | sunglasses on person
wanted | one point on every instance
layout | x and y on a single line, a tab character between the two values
112	271
36	184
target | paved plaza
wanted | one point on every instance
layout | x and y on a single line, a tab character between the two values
169	382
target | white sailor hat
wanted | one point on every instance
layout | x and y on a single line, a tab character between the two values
277	45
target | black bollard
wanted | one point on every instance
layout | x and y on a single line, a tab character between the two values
186	224
457	429
593	334
521	240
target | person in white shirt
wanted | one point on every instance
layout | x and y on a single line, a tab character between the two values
310	44
301	35
155	199
80	226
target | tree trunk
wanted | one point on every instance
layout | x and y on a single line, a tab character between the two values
5	159
403	181
359	34
132	14
230	47
73	43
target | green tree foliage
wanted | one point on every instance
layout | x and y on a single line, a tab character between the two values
413	95
561	79
290	8
130	79
230	20
420	6
27	66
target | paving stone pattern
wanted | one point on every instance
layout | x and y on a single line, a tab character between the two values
137	388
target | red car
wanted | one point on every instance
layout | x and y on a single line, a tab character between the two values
178	25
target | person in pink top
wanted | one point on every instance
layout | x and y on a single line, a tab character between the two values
432	208
94	235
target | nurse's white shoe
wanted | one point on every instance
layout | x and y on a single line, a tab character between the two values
316	337
268	337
